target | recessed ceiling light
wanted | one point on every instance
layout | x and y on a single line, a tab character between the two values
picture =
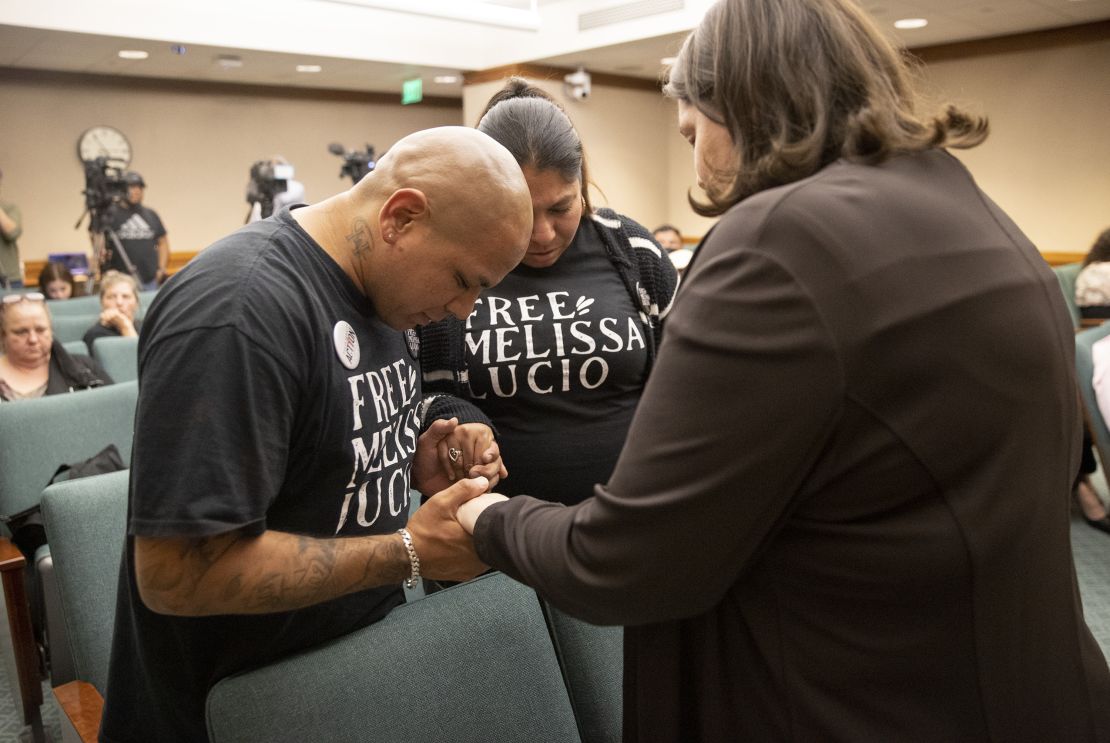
229	61
668	61
133	54
309	68
446	79
907	23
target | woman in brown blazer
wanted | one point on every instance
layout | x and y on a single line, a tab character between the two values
842	511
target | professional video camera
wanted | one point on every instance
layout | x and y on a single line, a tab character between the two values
355	164
268	179
104	186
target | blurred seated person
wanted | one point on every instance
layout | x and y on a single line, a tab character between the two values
32	363
119	301
56	282
1094	510
668	236
1092	285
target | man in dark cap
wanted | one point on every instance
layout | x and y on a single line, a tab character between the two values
143	250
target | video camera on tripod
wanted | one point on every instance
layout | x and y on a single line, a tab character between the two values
356	165
268	178
105	186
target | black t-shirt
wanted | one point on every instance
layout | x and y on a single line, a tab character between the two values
556	357
138	229
271	397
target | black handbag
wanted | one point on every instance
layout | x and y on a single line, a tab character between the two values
26	527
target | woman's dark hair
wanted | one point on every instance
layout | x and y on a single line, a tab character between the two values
1100	251
537	131
799	84
54	271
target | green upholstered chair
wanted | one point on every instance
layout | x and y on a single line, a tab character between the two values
73	327
36	437
473	663
86	525
1084	371
77	348
83	306
119	355
1066	275
592	660
145	300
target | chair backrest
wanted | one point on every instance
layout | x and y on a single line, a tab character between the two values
1066	275
86	525
145	300
472	663
77	348
73	327
592	660
37	436
119	355
1084	371
76	306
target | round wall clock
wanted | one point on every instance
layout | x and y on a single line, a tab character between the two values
107	142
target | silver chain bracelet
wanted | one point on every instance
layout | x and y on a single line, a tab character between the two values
414	561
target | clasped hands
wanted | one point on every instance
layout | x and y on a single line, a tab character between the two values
441	528
115	318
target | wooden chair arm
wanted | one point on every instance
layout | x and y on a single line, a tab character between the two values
12	567
82	706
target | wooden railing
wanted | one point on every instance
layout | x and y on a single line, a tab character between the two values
32	269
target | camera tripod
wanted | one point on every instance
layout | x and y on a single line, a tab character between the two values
100	233
102	254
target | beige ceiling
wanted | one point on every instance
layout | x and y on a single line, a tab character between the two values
949	21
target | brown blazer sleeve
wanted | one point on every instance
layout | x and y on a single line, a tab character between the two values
746	391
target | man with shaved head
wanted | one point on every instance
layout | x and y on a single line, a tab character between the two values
279	427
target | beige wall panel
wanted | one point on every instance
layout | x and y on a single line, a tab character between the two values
624	133
1047	161
194	147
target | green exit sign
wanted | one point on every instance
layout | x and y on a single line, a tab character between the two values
412	91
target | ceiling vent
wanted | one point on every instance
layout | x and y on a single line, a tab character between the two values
627	12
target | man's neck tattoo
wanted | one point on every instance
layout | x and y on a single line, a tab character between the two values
360	239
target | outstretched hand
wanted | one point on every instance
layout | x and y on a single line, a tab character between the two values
445	549
470	510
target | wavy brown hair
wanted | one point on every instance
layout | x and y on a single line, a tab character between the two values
800	84
1100	250
537	131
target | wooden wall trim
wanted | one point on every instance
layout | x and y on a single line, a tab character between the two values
1084	33
179	259
213	88
32	269
1063	258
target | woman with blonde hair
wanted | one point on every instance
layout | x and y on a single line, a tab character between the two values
32	363
119	302
841	512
